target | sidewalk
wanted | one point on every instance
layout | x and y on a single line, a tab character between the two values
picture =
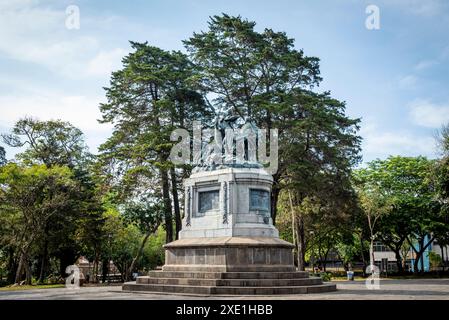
418	289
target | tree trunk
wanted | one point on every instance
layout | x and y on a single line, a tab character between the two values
292	211
12	266
19	269
178	220
66	258
404	264
397	253
167	204
442	256
421	255
295	231
325	259
28	274
422	262
43	266
104	270
44	257
422	250
139	253
362	253
95	267
415	262
123	271
300	236
371	253
23	261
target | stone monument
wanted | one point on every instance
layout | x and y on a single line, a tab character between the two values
228	244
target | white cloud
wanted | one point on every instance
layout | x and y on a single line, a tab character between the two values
36	33
379	143
80	111
428	114
16	4
105	62
407	82
428	63
425	64
426	8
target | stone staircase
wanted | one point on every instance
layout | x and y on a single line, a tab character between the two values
229	283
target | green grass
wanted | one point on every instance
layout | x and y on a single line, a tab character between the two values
356	278
44	286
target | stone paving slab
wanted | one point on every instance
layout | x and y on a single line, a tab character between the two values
422	289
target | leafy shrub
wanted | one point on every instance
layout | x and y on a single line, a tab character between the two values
326	276
435	259
55	279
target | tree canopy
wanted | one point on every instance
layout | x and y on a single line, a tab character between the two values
413	212
47	142
59	202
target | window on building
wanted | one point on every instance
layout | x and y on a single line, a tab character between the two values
259	200
379	247
208	200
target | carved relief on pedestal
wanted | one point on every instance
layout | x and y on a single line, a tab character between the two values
188	206
225	202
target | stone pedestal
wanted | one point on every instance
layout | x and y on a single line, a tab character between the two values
229	254
228	244
240	204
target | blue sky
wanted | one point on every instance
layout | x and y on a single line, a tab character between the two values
396	78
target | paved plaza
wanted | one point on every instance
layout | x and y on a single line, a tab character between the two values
421	289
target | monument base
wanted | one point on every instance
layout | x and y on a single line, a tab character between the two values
229	266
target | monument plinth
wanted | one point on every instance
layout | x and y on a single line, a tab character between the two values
228	243
227	225
229	202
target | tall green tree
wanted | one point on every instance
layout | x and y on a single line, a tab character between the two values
261	75
441	181
47	142
147	99
406	184
146	216
123	241
375	205
57	143
394	228
323	213
33	196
